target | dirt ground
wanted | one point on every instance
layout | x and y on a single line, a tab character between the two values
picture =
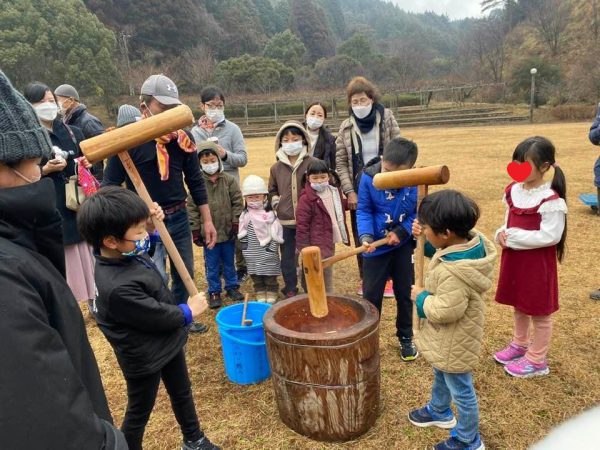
514	412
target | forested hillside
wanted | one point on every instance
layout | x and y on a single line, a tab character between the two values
265	46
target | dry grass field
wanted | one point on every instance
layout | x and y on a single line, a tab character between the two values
514	412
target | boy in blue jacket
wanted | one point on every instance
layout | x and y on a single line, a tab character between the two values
390	213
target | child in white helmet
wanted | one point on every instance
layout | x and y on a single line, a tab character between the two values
260	235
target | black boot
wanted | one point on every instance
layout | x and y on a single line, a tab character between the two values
200	444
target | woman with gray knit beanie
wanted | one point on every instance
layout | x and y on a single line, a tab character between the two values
52	394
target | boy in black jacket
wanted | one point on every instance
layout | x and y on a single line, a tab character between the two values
139	315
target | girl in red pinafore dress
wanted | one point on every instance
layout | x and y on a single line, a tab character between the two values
532	239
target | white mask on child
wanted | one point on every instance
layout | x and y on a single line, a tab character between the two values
257	204
320	187
210	168
292	148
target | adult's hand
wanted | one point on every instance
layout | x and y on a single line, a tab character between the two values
210	235
54	165
352	200
221	151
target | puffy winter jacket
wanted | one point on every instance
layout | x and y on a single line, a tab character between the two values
453	304
380	211
313	223
348	142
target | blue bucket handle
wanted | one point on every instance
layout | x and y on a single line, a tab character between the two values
240	341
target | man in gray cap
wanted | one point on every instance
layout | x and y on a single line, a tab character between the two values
166	184
76	113
52	394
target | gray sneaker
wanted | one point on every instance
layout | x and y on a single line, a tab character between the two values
200	444
595	295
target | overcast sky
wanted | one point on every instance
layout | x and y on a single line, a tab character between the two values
455	9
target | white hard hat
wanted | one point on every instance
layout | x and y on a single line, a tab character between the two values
254	184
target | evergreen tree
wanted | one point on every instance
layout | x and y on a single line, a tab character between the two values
308	23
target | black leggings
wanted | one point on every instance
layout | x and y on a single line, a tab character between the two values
141	395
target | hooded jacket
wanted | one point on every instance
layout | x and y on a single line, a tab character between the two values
50	387
285	178
224	201
453	304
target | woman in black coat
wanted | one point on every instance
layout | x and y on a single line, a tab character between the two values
59	167
51	394
322	141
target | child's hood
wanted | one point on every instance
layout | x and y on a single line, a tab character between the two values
290	124
211	147
472	262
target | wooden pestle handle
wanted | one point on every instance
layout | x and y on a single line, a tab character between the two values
355	251
165	237
419	259
315	282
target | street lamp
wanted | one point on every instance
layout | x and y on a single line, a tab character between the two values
531	102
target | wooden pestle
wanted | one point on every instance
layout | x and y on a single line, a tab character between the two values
315	282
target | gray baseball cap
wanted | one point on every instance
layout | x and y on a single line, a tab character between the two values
66	90
162	89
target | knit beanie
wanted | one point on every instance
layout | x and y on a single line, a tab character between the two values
66	90
21	134
128	114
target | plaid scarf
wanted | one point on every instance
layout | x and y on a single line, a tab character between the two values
162	155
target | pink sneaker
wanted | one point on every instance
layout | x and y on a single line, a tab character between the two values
388	292
523	368
511	352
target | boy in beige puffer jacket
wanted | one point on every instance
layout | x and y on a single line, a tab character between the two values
452	304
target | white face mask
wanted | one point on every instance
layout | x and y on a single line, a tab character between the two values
314	123
46	111
215	115
362	111
292	148
257	204
320	187
27	179
210	168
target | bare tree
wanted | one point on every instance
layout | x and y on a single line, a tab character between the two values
485	45
550	19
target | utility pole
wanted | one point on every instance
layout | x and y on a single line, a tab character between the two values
533	72
125	36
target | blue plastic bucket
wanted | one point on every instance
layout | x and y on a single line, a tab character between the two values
244	347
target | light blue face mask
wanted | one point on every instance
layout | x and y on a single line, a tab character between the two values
141	246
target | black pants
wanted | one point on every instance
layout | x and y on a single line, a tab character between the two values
397	265
357	243
265	283
289	260
141	395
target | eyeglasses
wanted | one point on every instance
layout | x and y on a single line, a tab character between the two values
363	101
213	106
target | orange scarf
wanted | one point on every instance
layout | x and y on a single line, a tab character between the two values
162	155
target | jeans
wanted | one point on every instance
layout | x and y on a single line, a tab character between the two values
289	260
397	265
221	255
179	228
458	388
141	395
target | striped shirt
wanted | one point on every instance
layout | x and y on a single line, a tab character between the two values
260	260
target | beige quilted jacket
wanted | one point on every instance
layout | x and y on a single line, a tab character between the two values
450	336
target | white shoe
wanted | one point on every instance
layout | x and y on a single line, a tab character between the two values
261	296
271	297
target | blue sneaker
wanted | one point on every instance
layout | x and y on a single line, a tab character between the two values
452	443
424	417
